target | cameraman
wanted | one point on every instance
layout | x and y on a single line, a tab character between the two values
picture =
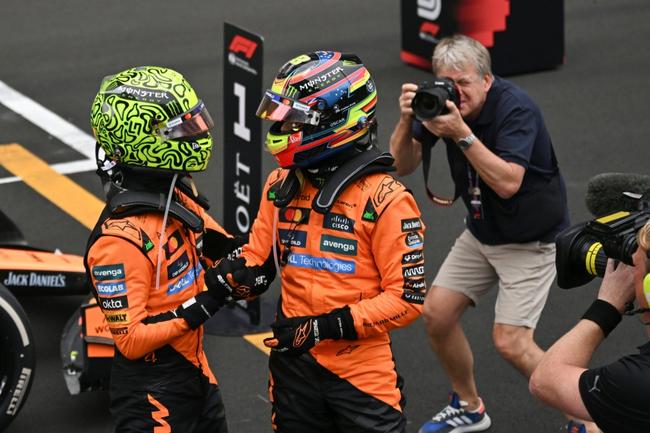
614	396
504	169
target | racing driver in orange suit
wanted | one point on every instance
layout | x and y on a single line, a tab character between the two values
347	239
147	252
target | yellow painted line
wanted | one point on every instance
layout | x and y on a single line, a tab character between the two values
70	197
256	340
60	190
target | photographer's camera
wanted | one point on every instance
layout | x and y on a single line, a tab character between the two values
430	98
583	250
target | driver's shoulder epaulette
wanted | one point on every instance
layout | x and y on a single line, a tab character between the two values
130	229
380	189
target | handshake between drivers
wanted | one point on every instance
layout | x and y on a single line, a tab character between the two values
233	280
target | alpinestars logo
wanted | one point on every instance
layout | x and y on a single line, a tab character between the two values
301	334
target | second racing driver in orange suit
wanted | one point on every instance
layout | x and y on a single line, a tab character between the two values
348	240
147	253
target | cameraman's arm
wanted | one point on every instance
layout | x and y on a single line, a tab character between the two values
406	150
556	378
502	176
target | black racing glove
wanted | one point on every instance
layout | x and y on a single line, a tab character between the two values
217	245
198	309
231	280
296	335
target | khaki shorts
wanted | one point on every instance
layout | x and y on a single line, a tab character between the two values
524	272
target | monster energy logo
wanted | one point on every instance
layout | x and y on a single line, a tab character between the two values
291	91
143	95
321	79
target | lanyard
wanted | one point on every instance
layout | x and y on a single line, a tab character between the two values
476	205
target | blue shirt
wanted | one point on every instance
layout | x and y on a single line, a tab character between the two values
511	125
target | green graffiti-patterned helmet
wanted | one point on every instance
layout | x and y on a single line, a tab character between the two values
150	116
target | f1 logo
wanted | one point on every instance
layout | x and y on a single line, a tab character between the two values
240	44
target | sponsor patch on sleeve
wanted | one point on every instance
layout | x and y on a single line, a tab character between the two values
115	303
414	240
411	225
111	289
412	257
413	297
109	272
413	271
416	284
117	318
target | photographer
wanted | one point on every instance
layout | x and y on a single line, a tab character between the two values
614	396
504	168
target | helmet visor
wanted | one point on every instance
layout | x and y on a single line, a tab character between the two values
194	122
281	109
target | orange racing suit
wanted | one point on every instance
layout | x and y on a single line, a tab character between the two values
160	376
365	252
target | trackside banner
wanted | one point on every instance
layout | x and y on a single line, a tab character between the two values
242	160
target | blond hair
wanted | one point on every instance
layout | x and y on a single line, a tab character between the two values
456	52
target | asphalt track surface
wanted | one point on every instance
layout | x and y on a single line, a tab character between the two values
56	52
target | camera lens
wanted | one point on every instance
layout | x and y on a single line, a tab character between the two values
579	257
428	103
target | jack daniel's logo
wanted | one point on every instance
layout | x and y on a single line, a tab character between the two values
33	279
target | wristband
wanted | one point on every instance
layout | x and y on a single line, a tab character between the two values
603	314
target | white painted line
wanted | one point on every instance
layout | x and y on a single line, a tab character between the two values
62	168
55	126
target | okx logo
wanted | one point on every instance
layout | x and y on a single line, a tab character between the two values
245	46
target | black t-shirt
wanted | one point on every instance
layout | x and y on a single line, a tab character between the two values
617	396
510	125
